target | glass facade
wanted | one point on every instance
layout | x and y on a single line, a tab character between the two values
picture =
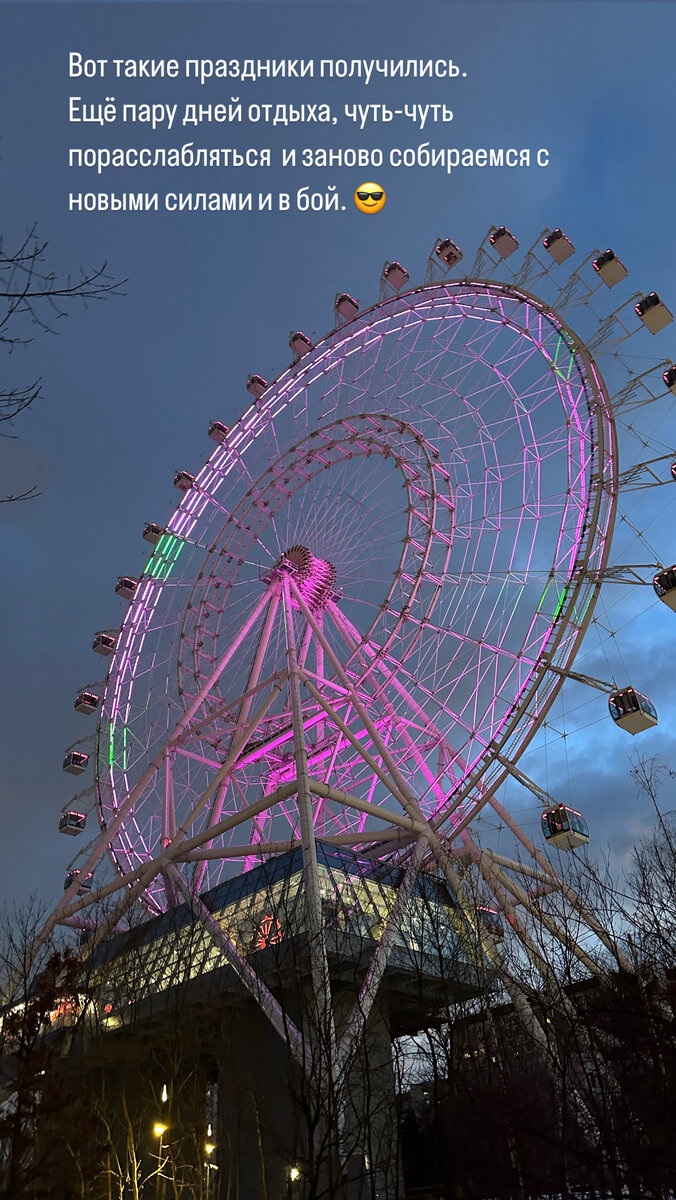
263	911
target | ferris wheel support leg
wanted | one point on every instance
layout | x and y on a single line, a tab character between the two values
521	867
243	714
319	965
562	935
570	895
319	666
545	1046
263	996
521	1006
369	989
169	814
482	861
588	1122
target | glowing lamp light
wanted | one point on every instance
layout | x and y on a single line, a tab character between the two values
209	1148
159	1129
294	1173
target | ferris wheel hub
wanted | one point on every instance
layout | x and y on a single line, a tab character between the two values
314	577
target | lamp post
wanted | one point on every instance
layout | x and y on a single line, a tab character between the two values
159	1129
209	1166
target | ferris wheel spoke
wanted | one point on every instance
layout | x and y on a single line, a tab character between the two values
433	780
378	767
394	676
242	715
223	774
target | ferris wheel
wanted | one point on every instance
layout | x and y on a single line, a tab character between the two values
367	600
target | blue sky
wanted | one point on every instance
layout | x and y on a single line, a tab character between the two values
131	383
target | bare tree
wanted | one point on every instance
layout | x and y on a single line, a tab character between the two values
32	298
44	1002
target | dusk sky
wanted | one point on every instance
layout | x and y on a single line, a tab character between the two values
131	383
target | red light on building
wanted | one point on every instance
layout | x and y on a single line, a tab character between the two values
269	933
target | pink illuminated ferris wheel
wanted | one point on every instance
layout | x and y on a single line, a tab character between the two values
415	505
367	599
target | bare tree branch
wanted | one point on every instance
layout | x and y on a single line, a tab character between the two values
32	297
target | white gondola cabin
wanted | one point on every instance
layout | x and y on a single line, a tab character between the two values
632	711
653	312
72	823
86	702
503	241
299	345
558	245
609	268
665	587
152	532
345	306
492	922
396	275
85	884
126	586
104	643
256	385
218	432
448	252
183	480
564	827
75	762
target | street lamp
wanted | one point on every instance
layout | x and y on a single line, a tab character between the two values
209	1166
159	1129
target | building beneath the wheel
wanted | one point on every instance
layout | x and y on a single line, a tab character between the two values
175	1043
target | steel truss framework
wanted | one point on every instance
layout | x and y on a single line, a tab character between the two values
356	621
